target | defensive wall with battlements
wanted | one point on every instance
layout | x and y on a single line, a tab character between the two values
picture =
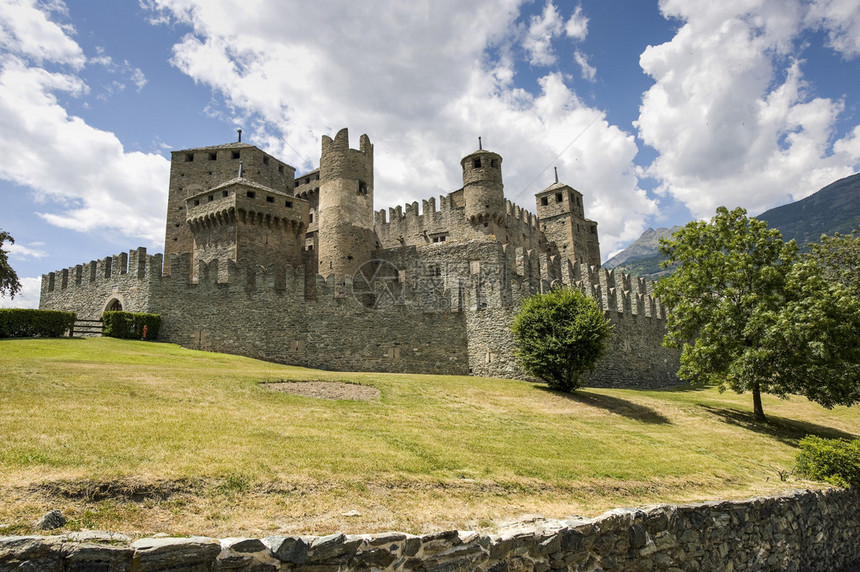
308	274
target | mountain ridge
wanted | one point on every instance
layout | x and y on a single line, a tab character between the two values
833	208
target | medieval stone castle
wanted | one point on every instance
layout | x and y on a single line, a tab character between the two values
301	270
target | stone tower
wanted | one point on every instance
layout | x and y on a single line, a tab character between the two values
562	219
196	171
483	191
346	237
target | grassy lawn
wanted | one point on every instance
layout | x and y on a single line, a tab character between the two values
143	437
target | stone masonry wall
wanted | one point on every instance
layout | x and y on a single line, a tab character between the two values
444	309
88	288
796	531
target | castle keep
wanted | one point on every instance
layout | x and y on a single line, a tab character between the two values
302	270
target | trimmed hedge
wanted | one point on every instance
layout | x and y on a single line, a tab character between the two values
129	325
835	461
27	323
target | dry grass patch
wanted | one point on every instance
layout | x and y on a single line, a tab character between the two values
140	438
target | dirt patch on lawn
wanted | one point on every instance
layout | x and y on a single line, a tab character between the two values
325	389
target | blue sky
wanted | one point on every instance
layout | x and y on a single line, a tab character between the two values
658	112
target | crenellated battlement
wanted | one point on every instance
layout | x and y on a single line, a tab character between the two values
134	264
620	293
313	276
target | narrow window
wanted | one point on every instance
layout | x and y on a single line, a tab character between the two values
544	201
189	157
308	181
362	188
213	157
477	163
494	163
265	160
311	217
280	168
224	193
558	197
196	202
270	199
288	204
211	198
235	155
251	194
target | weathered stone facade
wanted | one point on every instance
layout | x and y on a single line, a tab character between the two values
806	531
301	270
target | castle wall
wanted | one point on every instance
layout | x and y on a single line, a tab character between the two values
88	288
447	310
445	221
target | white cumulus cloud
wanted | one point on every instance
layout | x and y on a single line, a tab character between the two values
420	82
730	113
27	297
81	177
26	29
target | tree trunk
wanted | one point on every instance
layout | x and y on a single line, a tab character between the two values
758	412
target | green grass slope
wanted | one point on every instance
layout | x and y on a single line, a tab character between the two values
144	437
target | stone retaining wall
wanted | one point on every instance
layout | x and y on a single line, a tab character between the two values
799	530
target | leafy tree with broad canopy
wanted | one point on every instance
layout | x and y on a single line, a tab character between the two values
9	283
752	314
560	336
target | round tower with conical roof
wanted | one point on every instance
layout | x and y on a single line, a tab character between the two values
483	190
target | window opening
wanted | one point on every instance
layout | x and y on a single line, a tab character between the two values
225	193
196	202
270	199
265	160
213	157
477	163
235	155
211	198
251	194
311	217
362	188
189	157
544	201
288	204
558	197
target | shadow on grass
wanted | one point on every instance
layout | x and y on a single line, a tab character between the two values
613	404
789	431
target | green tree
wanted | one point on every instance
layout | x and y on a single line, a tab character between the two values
837	257
9	283
560	336
749	314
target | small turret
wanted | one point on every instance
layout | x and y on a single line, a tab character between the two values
346	238
483	189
